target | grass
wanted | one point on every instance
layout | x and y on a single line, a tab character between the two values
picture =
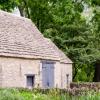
17	94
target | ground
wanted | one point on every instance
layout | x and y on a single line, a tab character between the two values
55	94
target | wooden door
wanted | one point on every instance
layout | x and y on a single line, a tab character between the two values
48	75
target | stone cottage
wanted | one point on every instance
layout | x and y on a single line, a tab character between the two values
27	58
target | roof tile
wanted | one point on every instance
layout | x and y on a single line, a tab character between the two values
19	37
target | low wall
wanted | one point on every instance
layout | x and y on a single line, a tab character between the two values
89	85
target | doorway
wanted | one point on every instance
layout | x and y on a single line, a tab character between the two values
48	75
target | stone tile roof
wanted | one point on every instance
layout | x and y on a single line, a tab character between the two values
19	37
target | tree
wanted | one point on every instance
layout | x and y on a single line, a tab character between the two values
7	5
62	21
96	30
72	34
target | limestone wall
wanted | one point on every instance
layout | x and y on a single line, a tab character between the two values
14	71
66	70
61	70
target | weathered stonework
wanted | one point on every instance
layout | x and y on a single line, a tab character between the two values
22	48
13	72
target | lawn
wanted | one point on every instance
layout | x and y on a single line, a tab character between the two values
55	94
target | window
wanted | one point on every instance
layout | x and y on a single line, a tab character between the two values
67	79
30	81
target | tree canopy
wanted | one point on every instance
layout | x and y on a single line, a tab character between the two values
63	22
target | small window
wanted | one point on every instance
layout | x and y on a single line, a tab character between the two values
67	78
30	81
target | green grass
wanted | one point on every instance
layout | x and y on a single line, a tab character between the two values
27	95
17	94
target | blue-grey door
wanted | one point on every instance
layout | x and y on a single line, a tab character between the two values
48	75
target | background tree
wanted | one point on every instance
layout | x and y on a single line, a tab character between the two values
96	30
62	21
7	5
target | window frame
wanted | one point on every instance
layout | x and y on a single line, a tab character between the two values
33	80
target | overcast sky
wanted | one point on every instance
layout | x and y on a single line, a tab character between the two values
16	12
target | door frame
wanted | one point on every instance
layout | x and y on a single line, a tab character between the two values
48	62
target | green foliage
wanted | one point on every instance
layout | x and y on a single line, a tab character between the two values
63	23
10	94
7	5
27	95
55	94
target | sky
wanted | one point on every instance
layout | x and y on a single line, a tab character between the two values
16	12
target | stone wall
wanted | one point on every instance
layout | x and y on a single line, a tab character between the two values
85	85
66	70
0	75
13	72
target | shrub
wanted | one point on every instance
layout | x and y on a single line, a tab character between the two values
53	94
10	94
